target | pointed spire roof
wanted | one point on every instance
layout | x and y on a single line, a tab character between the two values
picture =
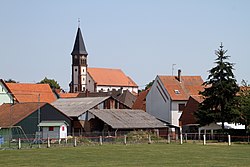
79	47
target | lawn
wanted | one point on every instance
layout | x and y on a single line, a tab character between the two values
131	155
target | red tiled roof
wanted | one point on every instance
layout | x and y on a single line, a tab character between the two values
189	85
140	102
110	77
12	114
27	92
68	95
198	98
187	116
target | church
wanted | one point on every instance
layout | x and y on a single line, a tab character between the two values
89	79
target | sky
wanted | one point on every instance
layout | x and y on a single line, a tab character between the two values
144	38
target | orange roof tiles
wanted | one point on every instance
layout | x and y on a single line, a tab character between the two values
28	92
140	102
198	98
189	85
187	116
68	95
110	77
12	114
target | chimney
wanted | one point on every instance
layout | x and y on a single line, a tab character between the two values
179	75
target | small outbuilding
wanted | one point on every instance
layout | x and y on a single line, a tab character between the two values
54	129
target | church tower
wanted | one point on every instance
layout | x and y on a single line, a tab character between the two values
79	65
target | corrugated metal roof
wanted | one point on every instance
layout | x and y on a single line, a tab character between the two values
127	119
52	123
74	107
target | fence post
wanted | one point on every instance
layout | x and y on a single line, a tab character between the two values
74	141
169	140
19	143
181	138
229	140
100	139
185	137
48	143
149	139
204	139
125	139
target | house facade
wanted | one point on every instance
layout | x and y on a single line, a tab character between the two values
5	95
168	96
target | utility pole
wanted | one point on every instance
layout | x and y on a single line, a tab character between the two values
38	121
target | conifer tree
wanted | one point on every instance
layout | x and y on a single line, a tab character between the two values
219	92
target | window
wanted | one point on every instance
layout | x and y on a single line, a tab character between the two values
177	92
75	69
82	70
82	79
51	128
181	107
63	128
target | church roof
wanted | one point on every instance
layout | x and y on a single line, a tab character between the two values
79	47
110	77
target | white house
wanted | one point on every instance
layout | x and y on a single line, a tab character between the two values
168	95
5	95
25	92
54	129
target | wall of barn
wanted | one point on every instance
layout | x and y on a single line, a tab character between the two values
49	113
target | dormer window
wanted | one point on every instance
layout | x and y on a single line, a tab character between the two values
177	91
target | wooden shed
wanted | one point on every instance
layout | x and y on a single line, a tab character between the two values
54	129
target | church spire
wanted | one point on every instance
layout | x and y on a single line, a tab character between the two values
79	47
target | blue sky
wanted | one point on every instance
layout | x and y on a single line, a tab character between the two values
143	37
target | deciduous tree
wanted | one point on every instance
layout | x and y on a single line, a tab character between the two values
244	105
53	83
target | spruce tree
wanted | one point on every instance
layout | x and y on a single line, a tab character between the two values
219	92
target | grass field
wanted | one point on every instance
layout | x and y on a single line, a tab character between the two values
131	155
